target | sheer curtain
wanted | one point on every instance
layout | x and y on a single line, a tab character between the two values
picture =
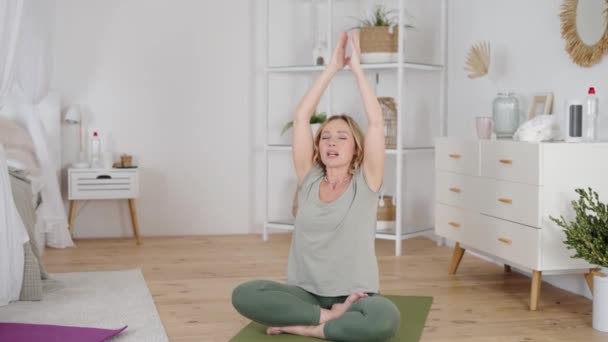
32	87
10	23
12	232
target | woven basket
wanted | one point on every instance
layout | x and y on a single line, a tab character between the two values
389	114
386	210
378	39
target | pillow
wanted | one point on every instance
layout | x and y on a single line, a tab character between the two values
22	160
13	135
20	151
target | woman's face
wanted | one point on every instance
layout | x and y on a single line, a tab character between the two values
337	144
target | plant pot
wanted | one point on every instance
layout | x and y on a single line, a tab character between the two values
600	301
379	44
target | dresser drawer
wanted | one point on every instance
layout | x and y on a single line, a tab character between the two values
511	161
456	189
453	223
102	184
510	241
510	201
457	155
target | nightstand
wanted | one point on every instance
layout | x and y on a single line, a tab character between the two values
104	184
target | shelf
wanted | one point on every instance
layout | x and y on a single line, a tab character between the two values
383	235
284	224
289	69
390	151
418	231
377	66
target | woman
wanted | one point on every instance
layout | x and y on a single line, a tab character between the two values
332	283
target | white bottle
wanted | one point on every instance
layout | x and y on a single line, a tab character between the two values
591	116
95	151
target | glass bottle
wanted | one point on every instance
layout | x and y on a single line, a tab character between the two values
505	113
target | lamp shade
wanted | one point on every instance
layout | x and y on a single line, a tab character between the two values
73	116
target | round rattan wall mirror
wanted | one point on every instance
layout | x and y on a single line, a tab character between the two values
585	30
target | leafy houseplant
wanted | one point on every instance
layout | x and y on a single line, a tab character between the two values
588	236
316	118
379	33
588	233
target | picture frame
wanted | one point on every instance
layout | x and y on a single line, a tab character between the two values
542	103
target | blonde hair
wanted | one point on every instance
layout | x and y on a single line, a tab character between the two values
357	136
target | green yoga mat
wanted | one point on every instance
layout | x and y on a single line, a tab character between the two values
413	316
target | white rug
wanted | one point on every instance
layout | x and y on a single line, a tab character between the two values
107	300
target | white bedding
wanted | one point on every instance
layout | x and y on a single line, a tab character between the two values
38	152
12	237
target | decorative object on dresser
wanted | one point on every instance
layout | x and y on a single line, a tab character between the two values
574	121
101	184
505	113
587	234
583	27
484	127
540	128
495	197
541	104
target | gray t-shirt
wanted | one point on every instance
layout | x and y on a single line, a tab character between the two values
332	247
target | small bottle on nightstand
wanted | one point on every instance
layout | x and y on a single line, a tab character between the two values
95	151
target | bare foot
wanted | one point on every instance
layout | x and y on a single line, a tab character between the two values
302	330
339	309
273	331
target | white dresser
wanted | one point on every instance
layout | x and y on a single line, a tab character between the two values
495	197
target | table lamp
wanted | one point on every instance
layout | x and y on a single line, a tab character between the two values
74	117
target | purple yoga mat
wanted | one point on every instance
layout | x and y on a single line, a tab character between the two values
24	332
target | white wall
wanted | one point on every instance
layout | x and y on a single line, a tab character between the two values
170	83
528	55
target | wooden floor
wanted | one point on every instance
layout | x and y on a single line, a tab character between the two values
191	279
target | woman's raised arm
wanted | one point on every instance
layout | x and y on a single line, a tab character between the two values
302	142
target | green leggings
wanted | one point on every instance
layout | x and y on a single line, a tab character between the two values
373	318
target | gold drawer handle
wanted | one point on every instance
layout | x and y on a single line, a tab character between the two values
506	161
505	240
506	200
456	190
455	156
454	224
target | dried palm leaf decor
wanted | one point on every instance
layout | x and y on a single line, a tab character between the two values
478	60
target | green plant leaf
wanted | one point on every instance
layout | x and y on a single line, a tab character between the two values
287	127
587	235
315	118
382	17
318	118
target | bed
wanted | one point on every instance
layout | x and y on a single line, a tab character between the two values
20	198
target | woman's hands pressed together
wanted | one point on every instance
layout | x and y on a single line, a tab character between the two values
339	59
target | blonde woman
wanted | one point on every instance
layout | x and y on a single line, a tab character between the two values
332	282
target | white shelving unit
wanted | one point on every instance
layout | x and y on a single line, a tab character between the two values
277	147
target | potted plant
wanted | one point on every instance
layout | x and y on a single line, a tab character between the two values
379	35
588	236
315	122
